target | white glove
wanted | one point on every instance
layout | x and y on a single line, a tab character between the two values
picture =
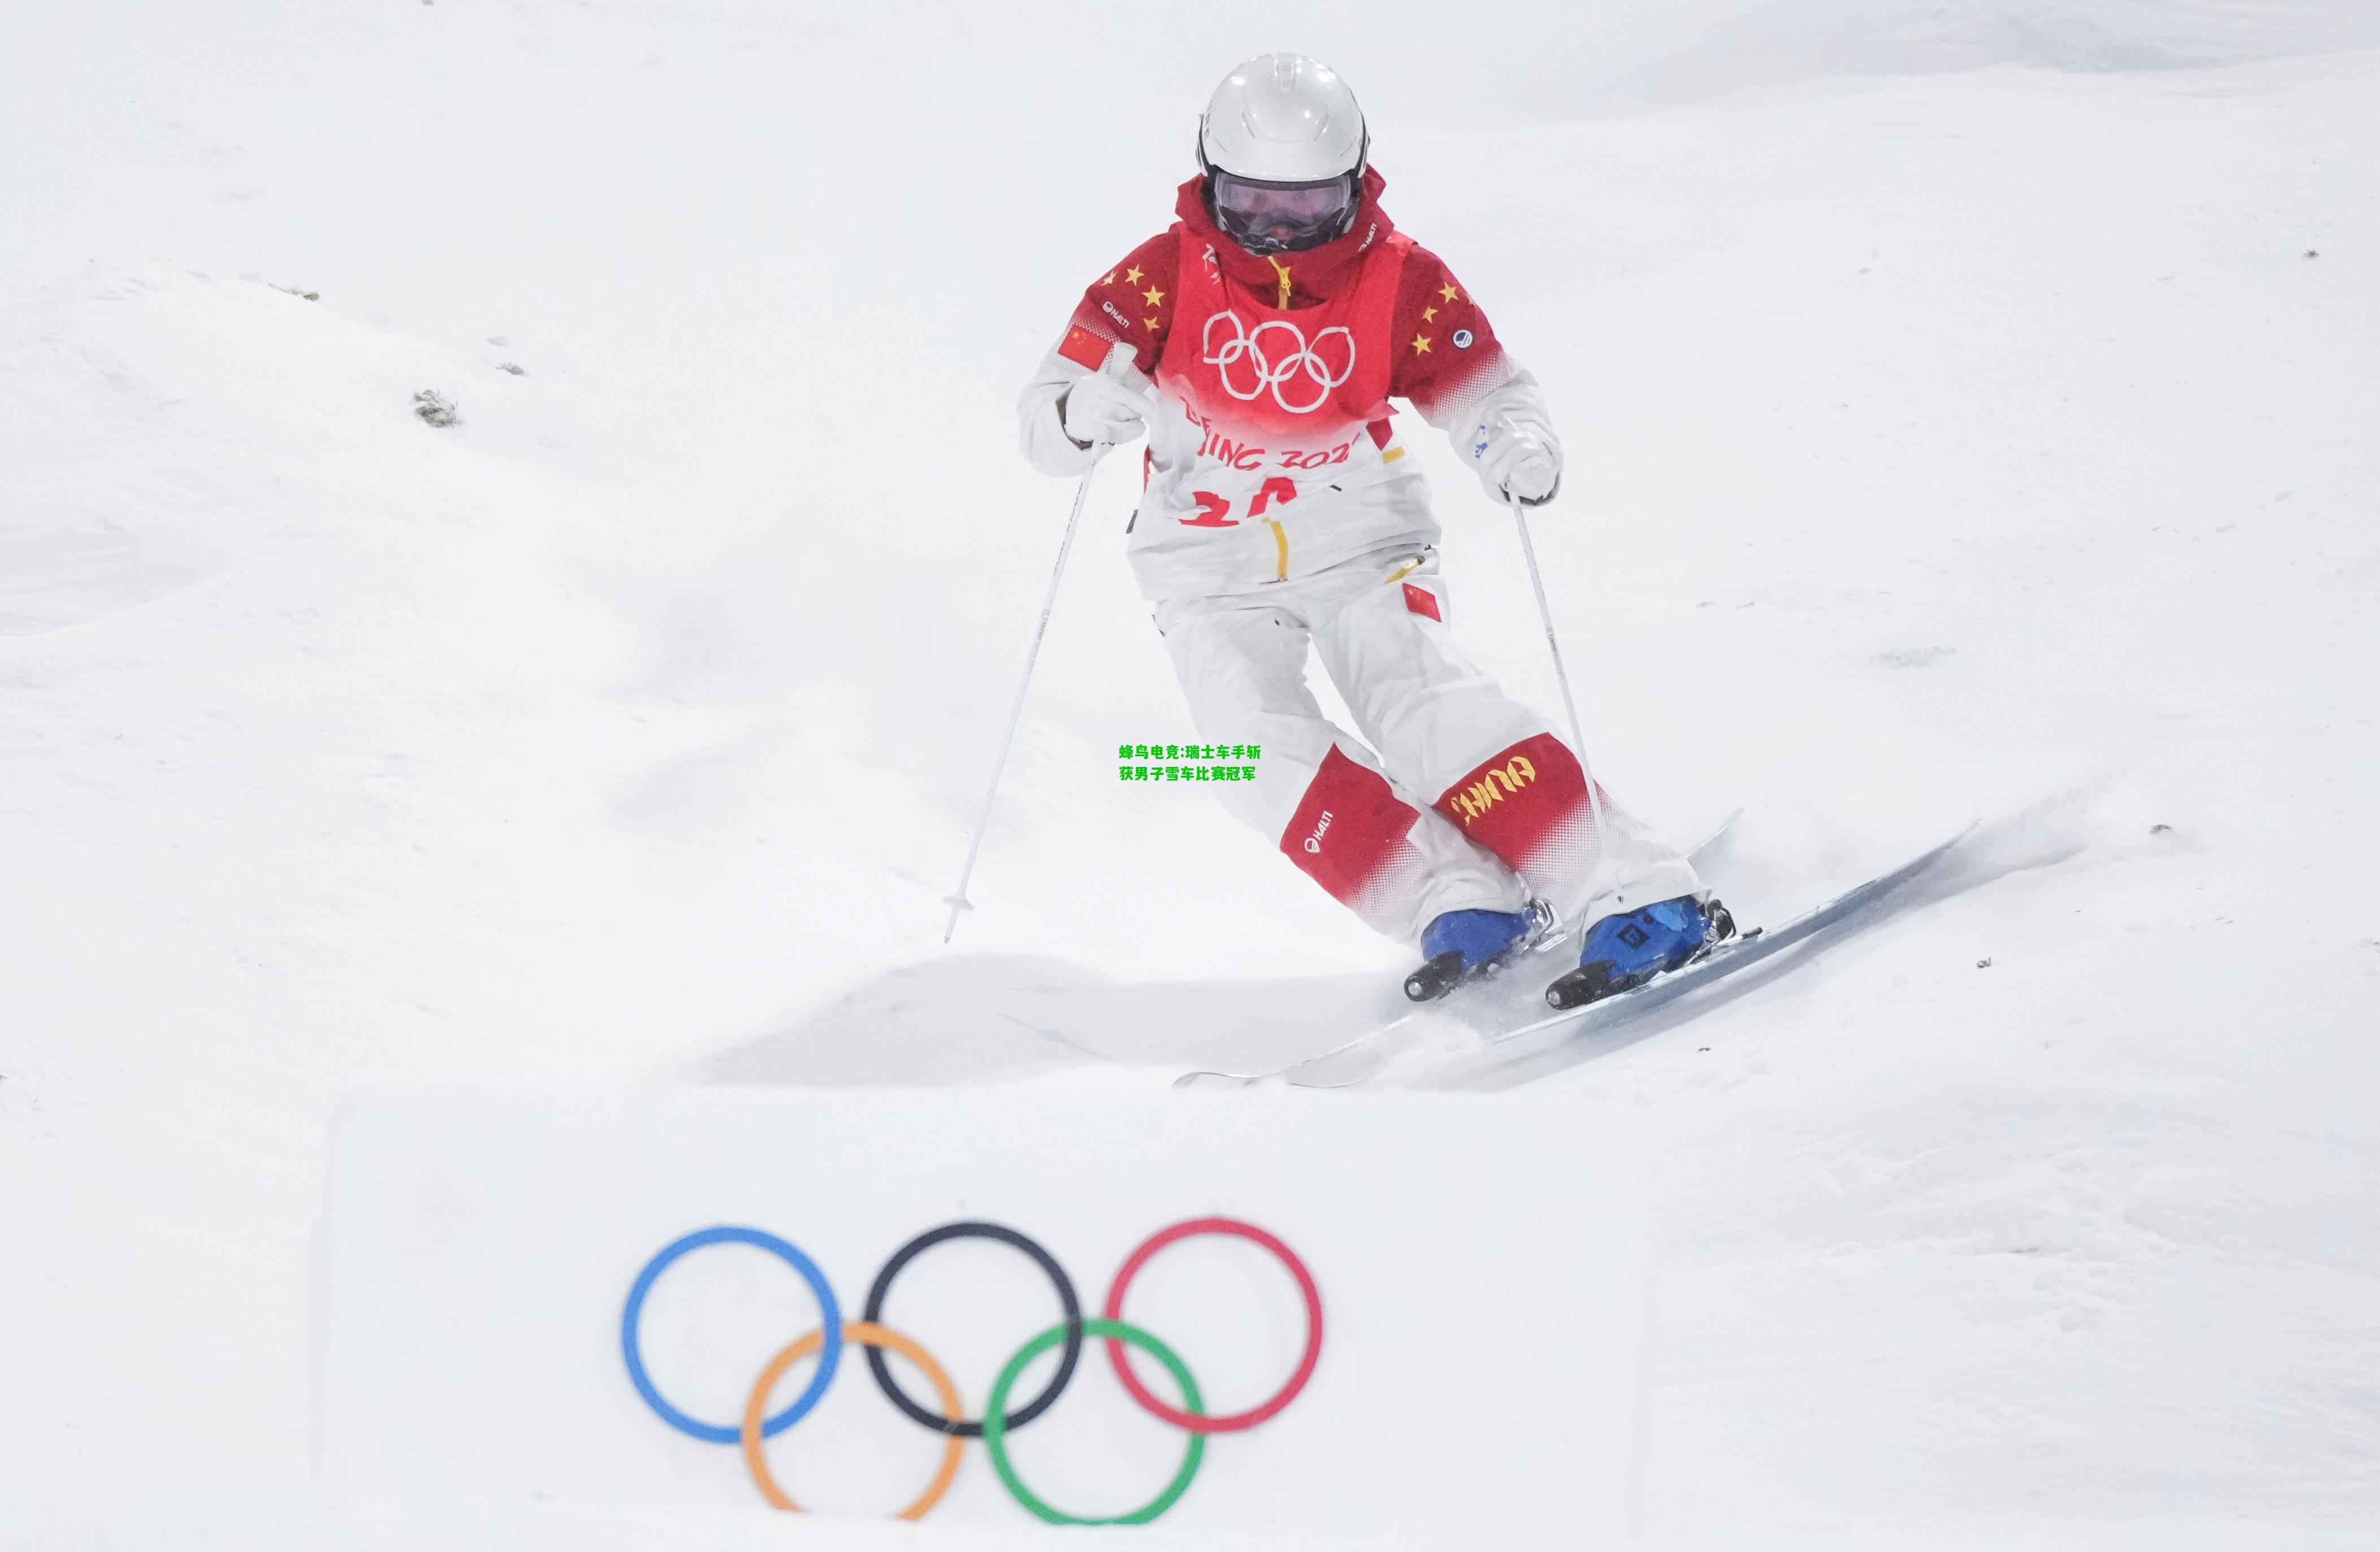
1097	408
1516	457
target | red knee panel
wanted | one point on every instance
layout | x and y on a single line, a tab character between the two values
1349	829
1519	799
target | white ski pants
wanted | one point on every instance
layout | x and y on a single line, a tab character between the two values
1452	796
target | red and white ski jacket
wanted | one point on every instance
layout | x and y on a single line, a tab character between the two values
1272	452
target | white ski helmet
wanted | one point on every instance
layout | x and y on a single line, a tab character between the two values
1284	147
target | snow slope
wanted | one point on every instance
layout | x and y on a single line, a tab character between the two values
1970	409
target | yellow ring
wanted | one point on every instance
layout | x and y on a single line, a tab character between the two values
867	1334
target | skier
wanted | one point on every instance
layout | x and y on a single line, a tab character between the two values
1258	341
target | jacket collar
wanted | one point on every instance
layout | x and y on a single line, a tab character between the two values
1316	275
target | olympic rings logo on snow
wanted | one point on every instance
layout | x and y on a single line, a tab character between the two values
998	1422
1303	360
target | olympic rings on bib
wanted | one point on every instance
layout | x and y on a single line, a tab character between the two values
998	1422
1311	365
1066	1301
1238	1420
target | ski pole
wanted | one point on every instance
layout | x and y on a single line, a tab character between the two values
1561	677
957	900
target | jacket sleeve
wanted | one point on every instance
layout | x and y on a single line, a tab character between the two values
1133	303
1039	429
1453	370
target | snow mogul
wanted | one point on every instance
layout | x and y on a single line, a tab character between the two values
1258	342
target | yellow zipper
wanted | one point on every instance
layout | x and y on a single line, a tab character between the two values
1280	534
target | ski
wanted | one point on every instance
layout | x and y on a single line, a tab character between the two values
1472	995
1417	1034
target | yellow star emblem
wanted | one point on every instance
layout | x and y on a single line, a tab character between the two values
1132	275
1110	279
1421	345
1153	297
1447	292
1429	315
1151	323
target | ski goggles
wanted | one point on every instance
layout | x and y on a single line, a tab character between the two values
1282	217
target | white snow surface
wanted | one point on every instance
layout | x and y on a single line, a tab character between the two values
1970	409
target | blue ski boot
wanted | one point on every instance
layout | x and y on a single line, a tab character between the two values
1464	945
1627	948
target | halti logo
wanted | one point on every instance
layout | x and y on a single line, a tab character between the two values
1314	841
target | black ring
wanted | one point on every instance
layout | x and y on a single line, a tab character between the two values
1042	1258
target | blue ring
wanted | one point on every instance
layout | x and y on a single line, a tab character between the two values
829	1355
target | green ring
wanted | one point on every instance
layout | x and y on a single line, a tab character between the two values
995	1427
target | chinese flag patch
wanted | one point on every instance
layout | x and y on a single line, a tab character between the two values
1422	602
1084	348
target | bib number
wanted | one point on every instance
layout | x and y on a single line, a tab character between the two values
1215	512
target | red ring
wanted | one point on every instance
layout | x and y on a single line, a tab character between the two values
1237	1419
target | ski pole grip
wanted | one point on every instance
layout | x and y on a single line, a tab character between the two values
1122	366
